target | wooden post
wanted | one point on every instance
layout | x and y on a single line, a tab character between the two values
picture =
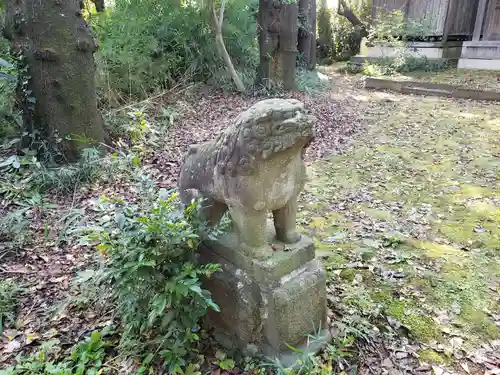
451	11
481	9
406	10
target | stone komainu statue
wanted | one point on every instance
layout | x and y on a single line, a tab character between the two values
255	166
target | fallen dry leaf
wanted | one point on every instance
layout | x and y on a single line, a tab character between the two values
12	346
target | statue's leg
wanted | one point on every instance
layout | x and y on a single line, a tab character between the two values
251	228
285	222
212	211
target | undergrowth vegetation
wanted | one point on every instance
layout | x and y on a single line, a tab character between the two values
338	39
9	291
146	46
10	121
150	274
85	358
394	30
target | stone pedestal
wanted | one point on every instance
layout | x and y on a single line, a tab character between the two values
266	305
481	54
440	51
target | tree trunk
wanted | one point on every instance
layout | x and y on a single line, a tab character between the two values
288	43
312	17
268	30
277	43
221	47
59	98
345	11
324	24
307	33
99	5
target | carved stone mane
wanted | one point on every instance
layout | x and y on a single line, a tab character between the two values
254	165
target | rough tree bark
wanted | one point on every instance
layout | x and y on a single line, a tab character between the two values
307	33
325	31
345	11
278	31
59	99
289	31
313	53
99	5
221	47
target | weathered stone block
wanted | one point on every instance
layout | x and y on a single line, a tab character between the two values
266	304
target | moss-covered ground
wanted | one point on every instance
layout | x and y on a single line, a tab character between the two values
488	80
407	220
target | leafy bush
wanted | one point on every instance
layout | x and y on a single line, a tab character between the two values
311	81
86	359
24	175
151	274
346	40
149	45
8	302
325	32
9	117
403	63
338	38
392	27
308	362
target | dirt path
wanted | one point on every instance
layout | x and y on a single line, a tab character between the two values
408	221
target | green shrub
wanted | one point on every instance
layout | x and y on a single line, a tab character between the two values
86	359
22	174
151	274
338	38
403	63
9	117
8	301
346	40
149	45
392	27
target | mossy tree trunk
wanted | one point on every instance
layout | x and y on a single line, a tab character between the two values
277	26
313	53
99	5
58	94
325	32
307	33
346	11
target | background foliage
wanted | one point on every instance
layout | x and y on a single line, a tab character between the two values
149	45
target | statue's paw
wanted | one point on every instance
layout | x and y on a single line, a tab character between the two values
257	252
292	237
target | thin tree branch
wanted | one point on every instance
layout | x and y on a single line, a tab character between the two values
221	12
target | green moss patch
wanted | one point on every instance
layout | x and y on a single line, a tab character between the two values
421	326
432	357
425	168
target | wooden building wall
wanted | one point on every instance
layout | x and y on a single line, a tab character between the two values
491	28
463	17
433	14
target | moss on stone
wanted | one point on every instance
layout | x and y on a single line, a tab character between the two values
435	250
478	323
336	260
382	295
420	324
318	222
375	213
348	274
432	357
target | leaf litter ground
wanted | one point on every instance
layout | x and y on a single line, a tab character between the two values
403	204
